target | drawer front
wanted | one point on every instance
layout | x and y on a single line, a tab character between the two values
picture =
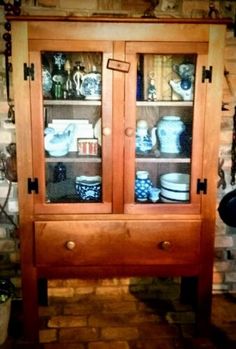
92	243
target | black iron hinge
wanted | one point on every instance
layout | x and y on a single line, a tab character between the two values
201	186
207	74
28	71
33	185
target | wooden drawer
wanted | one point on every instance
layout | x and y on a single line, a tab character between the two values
91	243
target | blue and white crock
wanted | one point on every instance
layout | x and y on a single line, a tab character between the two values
143	185
169	130
88	188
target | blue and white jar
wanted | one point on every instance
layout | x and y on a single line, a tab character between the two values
169	130
143	184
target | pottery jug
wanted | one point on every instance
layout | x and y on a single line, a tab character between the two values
143	185
91	85
169	129
183	86
57	144
144	140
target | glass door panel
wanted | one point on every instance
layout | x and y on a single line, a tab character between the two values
72	92
71	101
162	112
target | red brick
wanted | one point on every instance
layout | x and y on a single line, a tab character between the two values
109	345
78	334
122	333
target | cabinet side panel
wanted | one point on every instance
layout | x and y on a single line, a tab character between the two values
210	156
22	110
24	168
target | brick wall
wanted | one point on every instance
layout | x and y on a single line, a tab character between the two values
225	243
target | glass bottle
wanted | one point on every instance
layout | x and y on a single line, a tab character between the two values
58	75
59	173
68	85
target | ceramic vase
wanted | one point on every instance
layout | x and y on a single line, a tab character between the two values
169	130
143	185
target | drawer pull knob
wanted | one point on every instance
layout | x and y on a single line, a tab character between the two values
70	245
165	245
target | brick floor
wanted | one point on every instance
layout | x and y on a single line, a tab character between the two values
137	327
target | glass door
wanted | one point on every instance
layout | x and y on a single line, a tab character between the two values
164	127
72	127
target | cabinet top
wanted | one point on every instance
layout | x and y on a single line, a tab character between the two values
115	19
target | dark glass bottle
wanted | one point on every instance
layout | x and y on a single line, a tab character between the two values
139	87
59	173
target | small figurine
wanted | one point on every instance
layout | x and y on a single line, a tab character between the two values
213	12
77	78
152	92
150	11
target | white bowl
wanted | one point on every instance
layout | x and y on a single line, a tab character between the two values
175	187
174	195
175	181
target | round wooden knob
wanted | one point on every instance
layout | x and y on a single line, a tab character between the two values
70	245
106	131
165	245
129	132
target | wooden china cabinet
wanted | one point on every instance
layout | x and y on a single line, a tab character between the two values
90	96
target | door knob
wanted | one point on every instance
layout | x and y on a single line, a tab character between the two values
106	131
129	132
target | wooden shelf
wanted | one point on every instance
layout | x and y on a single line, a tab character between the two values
72	102
163	160
167	158
73	157
164	104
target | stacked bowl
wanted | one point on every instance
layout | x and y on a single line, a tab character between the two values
175	187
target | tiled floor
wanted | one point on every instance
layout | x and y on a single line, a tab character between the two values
222	336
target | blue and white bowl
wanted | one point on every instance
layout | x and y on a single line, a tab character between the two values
89	188
175	187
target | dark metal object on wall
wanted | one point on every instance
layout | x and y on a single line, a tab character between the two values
227	209
227	206
9	9
233	151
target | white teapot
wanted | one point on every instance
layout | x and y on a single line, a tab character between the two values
144	141
57	144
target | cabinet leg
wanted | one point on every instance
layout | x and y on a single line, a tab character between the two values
43	292
195	292
188	293
30	305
